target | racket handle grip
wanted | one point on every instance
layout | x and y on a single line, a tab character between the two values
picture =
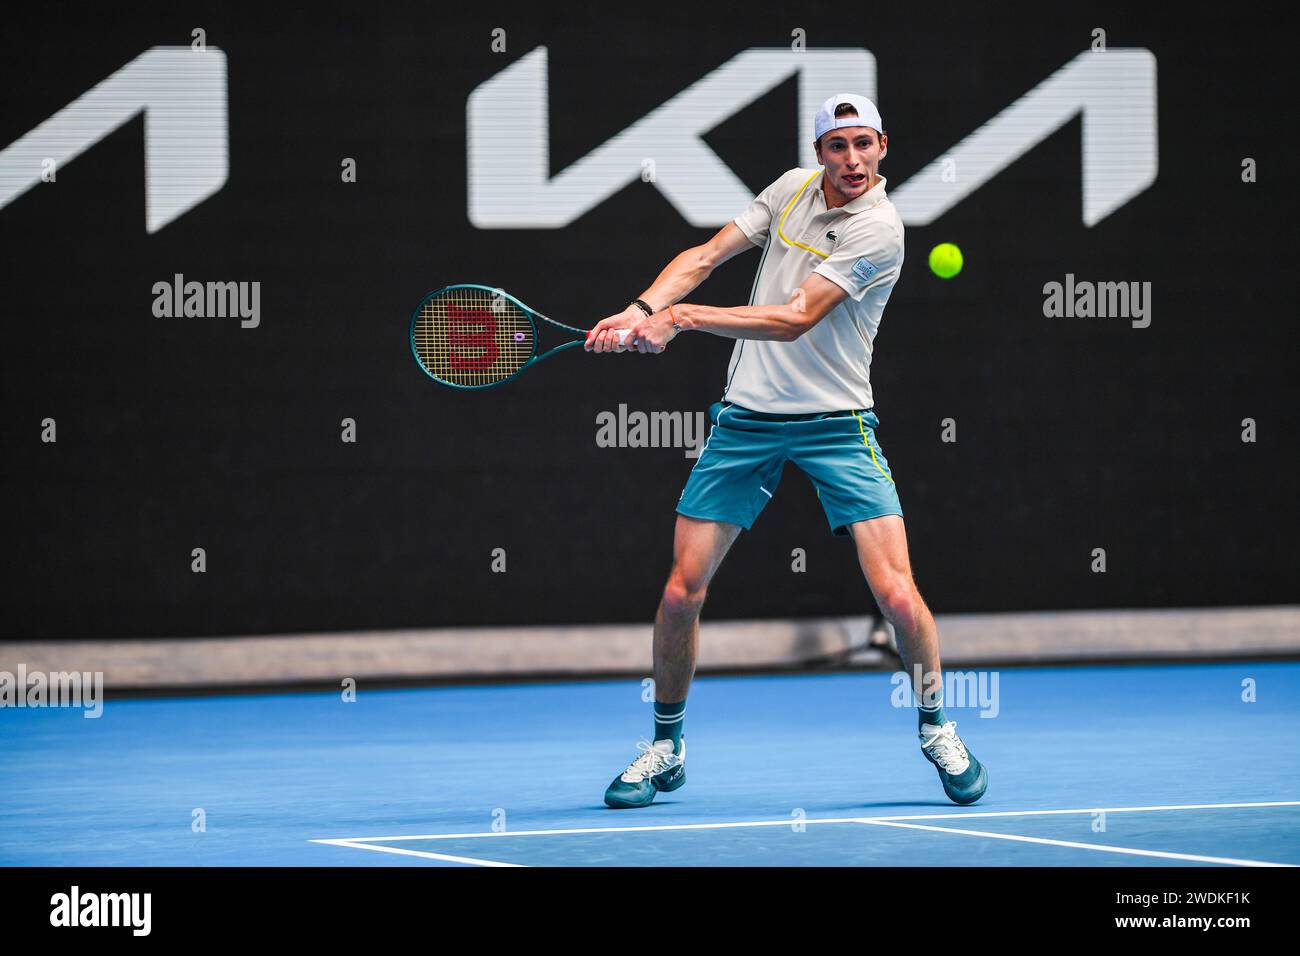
622	335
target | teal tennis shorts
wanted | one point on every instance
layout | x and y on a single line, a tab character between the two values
742	459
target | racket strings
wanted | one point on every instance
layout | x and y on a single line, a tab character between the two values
471	337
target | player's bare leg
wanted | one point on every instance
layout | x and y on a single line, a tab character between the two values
882	552
698	549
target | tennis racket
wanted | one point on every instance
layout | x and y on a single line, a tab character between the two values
473	336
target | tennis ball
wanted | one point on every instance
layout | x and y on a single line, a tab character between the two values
945	260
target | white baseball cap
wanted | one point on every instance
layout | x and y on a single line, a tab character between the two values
868	115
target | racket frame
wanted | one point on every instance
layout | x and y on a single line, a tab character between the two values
532	315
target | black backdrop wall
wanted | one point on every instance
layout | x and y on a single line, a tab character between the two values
181	433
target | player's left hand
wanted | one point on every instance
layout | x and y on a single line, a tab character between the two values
602	338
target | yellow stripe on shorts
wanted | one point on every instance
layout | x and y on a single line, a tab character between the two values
870	449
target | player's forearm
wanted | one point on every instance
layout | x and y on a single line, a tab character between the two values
679	278
779	323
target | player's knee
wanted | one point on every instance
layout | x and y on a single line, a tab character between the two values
682	596
900	603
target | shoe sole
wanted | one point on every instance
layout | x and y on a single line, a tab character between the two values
618	804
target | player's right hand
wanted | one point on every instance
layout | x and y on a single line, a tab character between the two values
602	338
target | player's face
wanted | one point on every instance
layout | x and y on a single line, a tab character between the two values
851	156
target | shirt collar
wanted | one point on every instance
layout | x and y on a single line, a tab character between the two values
868	199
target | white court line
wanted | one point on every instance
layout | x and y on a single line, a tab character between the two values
792	820
1100	847
422	853
1033	813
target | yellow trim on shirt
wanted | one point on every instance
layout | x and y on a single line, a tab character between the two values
870	449
781	222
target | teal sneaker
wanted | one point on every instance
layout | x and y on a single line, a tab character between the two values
658	768
964	778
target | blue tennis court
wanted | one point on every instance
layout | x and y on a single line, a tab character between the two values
1186	764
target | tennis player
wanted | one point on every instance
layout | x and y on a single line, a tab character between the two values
798	389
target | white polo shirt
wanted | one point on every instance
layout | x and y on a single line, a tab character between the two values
859	247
